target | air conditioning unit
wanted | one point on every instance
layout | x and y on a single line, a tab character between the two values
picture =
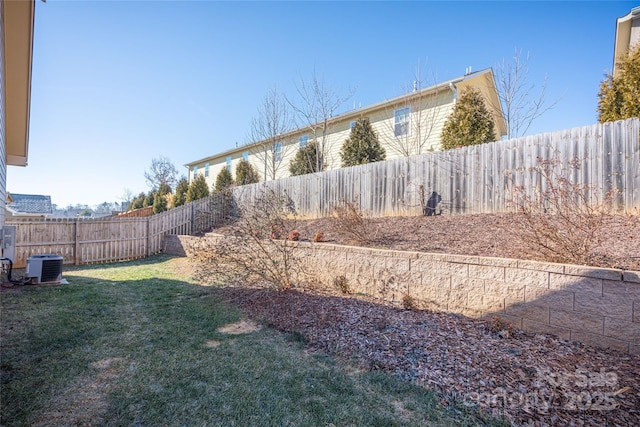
45	268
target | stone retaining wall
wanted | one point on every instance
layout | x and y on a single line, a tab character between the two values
595	306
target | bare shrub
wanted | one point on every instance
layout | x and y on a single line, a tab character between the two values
349	221
293	236
342	283
318	237
500	327
257	249
563	221
409	302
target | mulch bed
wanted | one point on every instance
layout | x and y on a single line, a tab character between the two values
490	235
527	378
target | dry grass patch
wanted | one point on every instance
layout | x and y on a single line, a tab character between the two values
238	328
212	344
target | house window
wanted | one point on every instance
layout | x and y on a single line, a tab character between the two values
401	120
229	163
277	152
303	141
206	170
195	172
352	124
245	156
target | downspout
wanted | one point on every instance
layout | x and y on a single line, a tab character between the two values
454	89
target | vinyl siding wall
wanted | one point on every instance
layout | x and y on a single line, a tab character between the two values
3	142
428	115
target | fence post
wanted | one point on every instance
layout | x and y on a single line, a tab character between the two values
76	250
191	219
148	248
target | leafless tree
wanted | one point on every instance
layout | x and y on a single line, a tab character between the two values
426	111
561	220
273	121
522	102
260	247
318	103
162	173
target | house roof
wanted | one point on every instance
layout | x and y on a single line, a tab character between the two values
627	34
29	204
485	75
18	19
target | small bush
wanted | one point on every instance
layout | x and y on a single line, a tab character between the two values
501	327
276	231
318	237
562	221
342	283
351	222
409	302
293	236
257	251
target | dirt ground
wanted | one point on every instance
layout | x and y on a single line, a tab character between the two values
529	379
489	235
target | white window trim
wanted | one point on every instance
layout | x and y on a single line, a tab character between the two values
304	138
277	152
406	122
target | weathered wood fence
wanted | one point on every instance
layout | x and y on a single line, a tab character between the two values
85	241
476	179
137	213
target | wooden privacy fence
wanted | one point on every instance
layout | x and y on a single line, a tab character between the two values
137	213
476	179
85	241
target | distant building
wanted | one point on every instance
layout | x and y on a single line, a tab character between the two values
406	125
627	36
28	205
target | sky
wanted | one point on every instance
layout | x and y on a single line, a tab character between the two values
116	84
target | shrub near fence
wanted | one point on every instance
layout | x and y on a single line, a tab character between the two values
85	241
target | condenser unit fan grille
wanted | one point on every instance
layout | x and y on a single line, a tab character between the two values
51	270
45	268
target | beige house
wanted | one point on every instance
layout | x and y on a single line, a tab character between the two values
406	125
16	55
627	36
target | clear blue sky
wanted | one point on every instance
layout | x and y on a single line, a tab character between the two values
117	83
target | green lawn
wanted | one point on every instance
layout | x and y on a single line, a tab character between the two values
126	344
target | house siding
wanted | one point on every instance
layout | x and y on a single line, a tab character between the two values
429	111
3	142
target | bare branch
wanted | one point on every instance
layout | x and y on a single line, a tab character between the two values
426	113
260	249
521	105
274	120
161	173
318	104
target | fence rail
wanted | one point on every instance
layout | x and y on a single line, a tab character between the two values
477	179
86	241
